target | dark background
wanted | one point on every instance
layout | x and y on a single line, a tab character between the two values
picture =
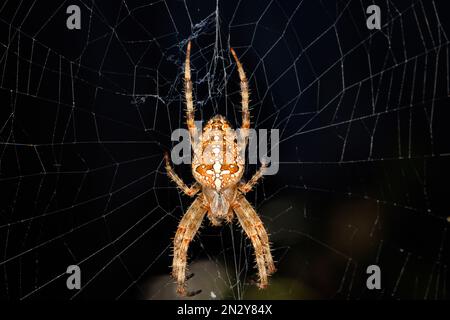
86	115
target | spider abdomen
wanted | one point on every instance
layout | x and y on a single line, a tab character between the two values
217	163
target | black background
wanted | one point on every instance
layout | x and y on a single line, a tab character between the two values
81	158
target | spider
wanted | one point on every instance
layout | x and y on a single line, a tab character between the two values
218	167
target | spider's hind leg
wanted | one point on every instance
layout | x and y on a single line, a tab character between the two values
188	94
244	91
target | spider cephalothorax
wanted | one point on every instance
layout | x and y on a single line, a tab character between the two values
217	166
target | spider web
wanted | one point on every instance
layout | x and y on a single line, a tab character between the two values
364	153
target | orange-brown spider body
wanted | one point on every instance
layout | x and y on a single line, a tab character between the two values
218	166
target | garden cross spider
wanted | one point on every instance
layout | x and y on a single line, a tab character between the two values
218	166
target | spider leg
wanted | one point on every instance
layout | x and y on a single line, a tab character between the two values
188	227
190	191
248	186
254	228
244	92
188	94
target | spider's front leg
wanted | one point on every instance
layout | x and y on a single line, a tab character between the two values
248	186
188	227
254	228
190	191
